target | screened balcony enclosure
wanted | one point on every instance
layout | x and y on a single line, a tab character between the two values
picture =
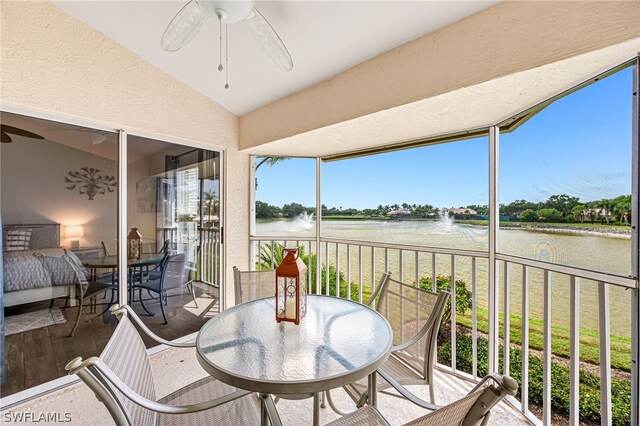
490	150
535	221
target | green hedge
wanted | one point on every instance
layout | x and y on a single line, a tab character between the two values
589	382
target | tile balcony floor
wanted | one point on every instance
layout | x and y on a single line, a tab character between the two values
85	409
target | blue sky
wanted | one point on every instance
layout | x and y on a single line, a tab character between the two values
580	145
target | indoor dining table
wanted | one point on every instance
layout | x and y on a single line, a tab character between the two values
111	262
336	343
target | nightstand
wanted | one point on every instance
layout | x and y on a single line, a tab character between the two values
87	252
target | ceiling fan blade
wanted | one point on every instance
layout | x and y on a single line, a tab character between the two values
183	27
18	132
268	39
5	138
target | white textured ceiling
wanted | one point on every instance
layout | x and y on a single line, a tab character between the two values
323	37
468	108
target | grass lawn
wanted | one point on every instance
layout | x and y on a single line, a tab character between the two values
589	340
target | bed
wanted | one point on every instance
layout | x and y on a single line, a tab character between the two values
44	271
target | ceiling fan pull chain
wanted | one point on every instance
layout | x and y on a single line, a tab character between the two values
220	68
226	64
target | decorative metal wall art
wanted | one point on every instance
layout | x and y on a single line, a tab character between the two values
89	182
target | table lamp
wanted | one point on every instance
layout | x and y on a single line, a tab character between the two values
74	232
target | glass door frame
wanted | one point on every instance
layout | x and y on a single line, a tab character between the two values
19	397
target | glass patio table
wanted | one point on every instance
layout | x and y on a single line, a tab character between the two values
336	343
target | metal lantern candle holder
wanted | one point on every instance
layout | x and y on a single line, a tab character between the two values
291	287
134	244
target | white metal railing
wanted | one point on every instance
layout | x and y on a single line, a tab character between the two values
360	262
209	256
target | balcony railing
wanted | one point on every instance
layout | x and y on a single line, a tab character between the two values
361	263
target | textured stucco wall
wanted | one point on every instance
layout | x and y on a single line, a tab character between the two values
508	38
55	64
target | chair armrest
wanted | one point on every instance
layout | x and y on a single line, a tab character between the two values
404	392
103	370
119	310
506	383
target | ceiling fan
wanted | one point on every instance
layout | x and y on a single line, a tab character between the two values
187	22
6	130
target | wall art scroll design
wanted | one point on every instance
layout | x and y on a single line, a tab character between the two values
90	182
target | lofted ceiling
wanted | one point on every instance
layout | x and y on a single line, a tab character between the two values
97	142
324	38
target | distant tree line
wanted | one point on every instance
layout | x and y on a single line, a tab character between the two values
563	208
557	208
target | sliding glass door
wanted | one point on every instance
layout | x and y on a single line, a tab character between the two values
173	215
61	188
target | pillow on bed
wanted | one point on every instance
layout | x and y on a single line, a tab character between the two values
17	239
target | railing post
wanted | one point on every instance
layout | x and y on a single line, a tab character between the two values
338	287
474	320
453	313
605	354
359	273
349	271
574	351
327	277
506	333
524	386
546	351
494	222
318	276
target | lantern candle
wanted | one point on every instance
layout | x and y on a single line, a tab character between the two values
291	287
290	309
134	244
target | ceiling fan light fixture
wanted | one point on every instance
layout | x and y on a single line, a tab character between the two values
187	22
96	138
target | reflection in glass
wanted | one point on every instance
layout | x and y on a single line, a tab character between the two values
176	190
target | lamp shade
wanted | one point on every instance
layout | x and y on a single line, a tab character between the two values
73	231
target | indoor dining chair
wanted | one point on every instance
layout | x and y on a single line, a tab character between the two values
251	285
472	410
122	379
172	276
415	316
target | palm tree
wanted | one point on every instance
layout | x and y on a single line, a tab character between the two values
270	161
622	208
210	198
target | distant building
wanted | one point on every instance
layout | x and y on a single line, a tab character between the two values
465	212
399	212
596	213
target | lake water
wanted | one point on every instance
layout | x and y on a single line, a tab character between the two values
597	252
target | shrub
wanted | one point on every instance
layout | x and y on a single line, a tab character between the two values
589	382
443	283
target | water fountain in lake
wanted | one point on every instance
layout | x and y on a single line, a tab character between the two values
303	222
444	224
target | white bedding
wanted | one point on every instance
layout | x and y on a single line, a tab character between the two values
22	270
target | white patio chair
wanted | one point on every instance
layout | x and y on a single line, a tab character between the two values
251	285
415	316
122	379
472	410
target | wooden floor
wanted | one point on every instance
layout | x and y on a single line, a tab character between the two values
37	356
